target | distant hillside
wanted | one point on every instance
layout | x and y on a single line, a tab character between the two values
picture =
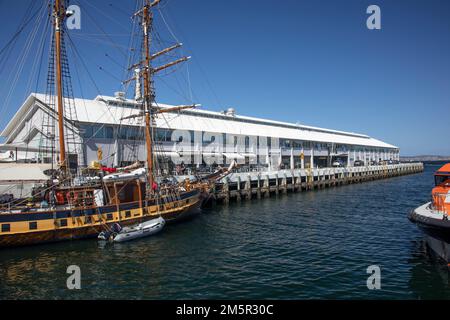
426	158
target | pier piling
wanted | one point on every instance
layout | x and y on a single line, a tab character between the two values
239	186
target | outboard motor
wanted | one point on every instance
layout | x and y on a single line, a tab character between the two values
116	228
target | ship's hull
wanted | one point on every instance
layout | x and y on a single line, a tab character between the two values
439	247
435	227
88	223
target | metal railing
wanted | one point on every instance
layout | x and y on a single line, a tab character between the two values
441	202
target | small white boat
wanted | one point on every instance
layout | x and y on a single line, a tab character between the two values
125	176
141	230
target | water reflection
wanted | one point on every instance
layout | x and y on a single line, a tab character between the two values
305	245
430	276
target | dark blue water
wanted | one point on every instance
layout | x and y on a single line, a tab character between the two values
298	246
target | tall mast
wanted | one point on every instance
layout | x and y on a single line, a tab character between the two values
149	95
149	111
59	15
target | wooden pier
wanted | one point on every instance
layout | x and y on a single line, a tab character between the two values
257	185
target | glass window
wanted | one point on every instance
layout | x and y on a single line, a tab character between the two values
6	227
168	135
135	133
247	142
441	179
131	133
285	143
210	139
99	132
297	144
161	134
87	131
33	225
123	133
109	132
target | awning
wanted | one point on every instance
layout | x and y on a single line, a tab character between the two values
339	155
22	147
212	154
236	156
249	155
167	154
10	172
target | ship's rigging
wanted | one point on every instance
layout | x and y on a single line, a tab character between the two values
58	121
59	139
146	71
77	201
59	99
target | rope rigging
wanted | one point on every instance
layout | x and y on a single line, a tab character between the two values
132	130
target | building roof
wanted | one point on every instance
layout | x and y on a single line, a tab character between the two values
10	172
445	169
109	110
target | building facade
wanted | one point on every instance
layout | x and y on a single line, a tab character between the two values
107	129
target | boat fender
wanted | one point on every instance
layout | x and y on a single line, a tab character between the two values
59	198
72	197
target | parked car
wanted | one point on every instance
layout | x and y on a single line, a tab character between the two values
6	198
358	163
338	163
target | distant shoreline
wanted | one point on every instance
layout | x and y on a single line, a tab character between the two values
426	159
435	162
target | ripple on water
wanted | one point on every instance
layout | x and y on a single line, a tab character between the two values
306	245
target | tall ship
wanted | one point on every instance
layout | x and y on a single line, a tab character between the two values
76	203
433	217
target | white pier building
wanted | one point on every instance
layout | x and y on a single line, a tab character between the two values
99	127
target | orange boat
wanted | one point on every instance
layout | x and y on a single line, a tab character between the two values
433	217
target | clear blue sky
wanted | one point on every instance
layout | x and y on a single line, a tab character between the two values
312	62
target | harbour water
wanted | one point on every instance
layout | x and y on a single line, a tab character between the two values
315	244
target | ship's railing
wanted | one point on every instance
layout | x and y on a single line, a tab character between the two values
441	202
251	168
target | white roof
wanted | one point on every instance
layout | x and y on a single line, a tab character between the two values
109	110
23	172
